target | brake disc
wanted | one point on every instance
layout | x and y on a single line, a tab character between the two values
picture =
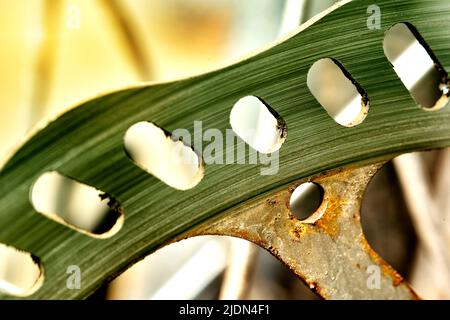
329	253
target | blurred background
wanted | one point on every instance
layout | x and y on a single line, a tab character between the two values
57	53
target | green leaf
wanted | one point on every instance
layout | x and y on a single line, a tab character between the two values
86	143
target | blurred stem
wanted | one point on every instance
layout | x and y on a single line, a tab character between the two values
425	215
129	34
306	11
294	11
443	186
46	52
236	282
313	7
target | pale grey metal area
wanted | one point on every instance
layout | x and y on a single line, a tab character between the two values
329	251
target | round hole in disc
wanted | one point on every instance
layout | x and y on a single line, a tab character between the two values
306	199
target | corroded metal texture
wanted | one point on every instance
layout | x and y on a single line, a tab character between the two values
328	250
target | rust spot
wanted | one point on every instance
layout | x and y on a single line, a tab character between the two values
244	234
329	223
387	270
275	252
298	231
314	286
271	202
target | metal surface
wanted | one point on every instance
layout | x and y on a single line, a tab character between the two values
328	251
